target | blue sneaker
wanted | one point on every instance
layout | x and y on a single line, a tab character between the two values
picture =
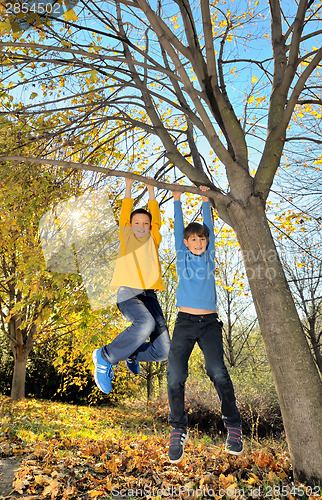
103	373
133	366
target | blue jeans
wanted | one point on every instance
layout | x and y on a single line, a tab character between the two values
145	314
206	330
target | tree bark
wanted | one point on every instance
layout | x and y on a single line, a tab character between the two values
161	372
19	373
313	334
149	382
21	343
296	377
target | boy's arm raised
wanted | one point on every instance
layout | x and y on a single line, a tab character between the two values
128	187
127	204
178	221
154	210
206	214
150	190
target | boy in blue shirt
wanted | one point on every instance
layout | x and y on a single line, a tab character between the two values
197	321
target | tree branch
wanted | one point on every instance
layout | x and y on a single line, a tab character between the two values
213	193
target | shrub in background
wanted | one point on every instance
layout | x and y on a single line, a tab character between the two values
259	409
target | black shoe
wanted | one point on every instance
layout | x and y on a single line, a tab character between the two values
234	441
133	366
178	439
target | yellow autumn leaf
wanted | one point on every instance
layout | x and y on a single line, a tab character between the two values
254	79
96	493
16	29
70	15
5	27
66	44
93	75
51	489
42	479
19	485
253	479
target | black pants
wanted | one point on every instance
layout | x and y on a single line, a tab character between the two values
207	331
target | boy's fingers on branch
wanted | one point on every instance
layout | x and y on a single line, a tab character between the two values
176	194
204	189
150	187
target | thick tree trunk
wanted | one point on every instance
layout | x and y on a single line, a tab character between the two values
297	380
21	347
19	373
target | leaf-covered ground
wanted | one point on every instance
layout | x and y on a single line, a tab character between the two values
73	452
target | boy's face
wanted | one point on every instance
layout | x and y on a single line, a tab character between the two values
196	244
141	225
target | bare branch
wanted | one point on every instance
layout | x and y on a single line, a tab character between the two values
213	193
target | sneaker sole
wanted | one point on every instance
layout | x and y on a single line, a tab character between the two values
236	453
180	458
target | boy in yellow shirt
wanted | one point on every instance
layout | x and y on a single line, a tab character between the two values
138	275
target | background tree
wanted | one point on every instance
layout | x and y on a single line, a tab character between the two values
298	220
234	299
154	373
303	265
28	294
170	72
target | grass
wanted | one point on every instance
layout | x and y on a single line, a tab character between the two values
32	419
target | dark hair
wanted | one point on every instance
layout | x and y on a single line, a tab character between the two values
141	211
195	228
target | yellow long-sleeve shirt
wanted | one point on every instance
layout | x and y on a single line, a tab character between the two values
138	264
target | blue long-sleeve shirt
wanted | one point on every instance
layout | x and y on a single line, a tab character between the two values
196	273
